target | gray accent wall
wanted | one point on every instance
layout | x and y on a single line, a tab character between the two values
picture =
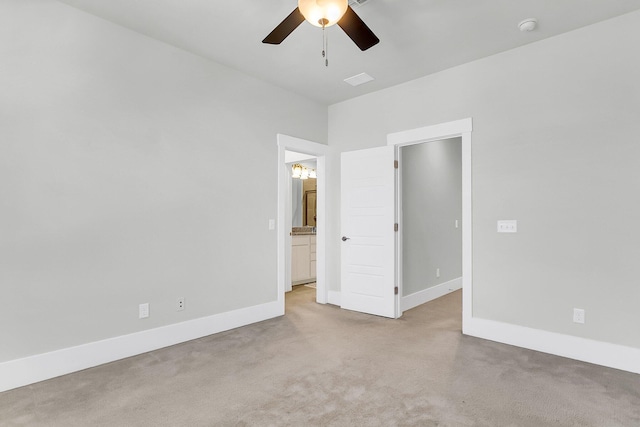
555	147
130	172
431	204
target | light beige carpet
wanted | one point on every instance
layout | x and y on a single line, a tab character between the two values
323	366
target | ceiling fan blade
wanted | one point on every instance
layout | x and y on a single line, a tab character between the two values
285	28
355	28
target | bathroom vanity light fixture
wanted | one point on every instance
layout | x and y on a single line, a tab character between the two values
302	172
296	170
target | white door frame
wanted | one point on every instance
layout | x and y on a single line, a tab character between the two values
290	143
459	128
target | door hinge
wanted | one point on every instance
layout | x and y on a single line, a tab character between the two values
395	290
395	164
395	227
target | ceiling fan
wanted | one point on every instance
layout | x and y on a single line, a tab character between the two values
325	13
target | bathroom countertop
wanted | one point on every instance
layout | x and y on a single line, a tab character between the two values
301	231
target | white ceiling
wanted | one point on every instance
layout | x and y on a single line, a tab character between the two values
418	37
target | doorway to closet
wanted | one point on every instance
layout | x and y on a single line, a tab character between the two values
379	296
430	201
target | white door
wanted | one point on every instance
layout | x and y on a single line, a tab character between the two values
368	236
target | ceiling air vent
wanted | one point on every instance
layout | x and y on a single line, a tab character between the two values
357	3
359	79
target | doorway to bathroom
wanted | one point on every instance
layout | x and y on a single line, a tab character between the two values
303	196
303	243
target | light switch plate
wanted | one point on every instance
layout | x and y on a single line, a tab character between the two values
507	226
272	224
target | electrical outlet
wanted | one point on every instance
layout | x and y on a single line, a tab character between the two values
437	272
143	310
180	304
507	226
578	315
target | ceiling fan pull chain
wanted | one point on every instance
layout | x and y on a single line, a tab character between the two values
326	48
325	53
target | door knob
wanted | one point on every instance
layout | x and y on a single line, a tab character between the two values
345	238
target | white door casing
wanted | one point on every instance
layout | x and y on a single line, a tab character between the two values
286	142
458	128
367	221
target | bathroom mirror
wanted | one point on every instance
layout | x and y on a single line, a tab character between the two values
309	208
303	202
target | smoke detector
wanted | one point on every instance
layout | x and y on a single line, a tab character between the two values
528	24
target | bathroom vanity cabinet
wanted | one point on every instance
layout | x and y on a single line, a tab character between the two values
303	259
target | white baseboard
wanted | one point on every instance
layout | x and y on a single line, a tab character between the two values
586	350
413	300
32	369
334	298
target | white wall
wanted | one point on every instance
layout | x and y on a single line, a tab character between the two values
555	146
431	204
128	175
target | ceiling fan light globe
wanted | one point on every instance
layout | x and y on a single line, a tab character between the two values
318	11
